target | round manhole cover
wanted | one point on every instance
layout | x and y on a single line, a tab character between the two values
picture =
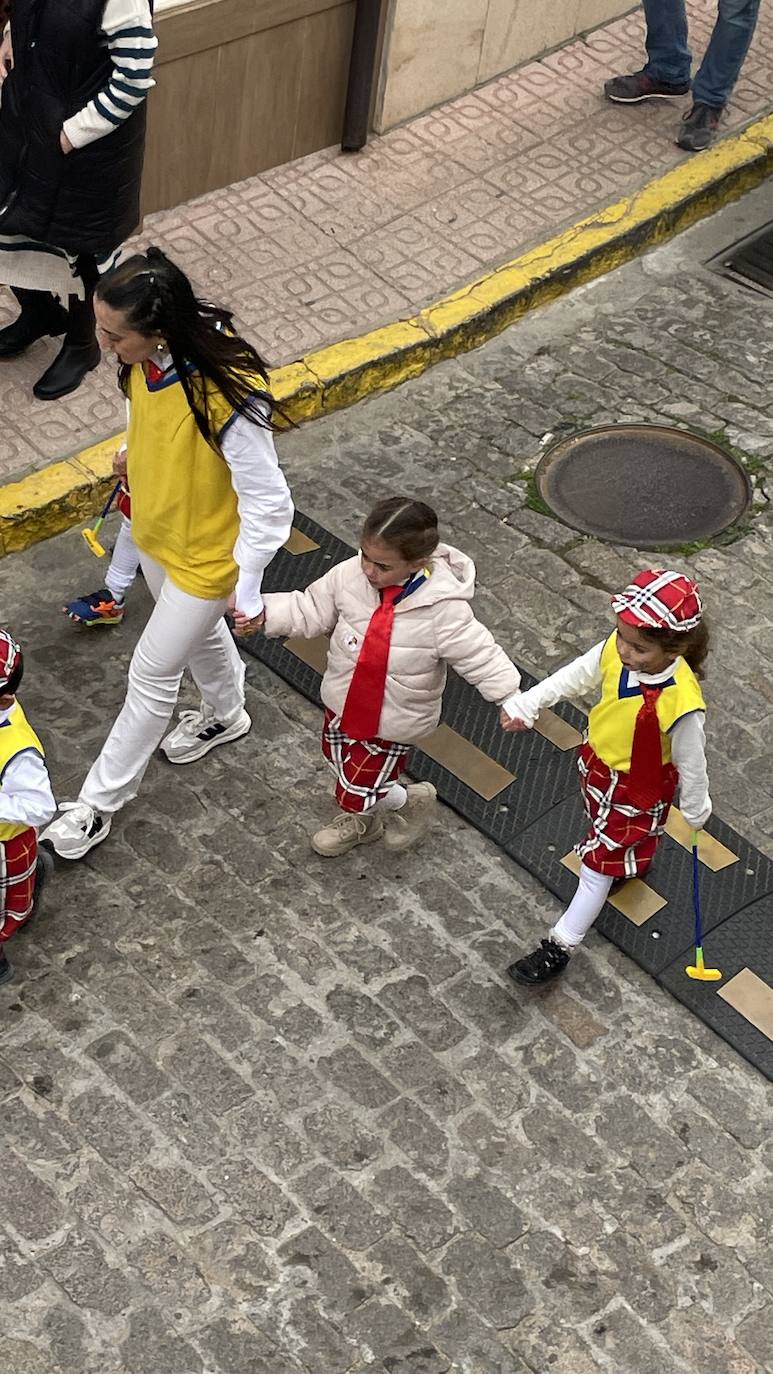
646	485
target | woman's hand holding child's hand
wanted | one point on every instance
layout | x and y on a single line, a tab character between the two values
245	625
511	724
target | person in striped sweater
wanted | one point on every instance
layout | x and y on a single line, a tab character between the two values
75	79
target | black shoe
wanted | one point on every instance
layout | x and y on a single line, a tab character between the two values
67	370
629	90
30	326
7	970
699	128
540	966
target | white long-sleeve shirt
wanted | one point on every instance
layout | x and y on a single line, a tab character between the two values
25	791
131	42
688	739
263	498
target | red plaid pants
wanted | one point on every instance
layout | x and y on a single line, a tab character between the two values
18	861
622	839
364	768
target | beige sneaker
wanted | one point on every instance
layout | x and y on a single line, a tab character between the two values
409	825
347	830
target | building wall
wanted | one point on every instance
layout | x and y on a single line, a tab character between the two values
242	85
437	49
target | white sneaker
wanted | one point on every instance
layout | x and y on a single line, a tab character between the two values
198	731
77	830
404	828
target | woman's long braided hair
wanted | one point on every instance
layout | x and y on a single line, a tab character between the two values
156	297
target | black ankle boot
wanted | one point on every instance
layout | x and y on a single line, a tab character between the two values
67	370
7	970
40	316
80	353
541	965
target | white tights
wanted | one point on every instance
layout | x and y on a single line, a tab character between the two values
592	892
124	562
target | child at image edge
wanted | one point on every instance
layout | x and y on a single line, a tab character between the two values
645	736
398	613
26	803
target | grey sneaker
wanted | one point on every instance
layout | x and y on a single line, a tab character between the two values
78	829
347	831
630	90
699	129
410	824
198	731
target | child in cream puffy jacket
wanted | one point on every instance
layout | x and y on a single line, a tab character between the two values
398	614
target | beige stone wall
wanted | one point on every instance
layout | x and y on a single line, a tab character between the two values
436	49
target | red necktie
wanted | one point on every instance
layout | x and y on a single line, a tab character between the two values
645	780
153	372
365	697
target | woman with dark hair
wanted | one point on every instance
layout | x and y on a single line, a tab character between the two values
210	508
75	77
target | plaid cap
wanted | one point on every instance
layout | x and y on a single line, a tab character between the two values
660	600
10	658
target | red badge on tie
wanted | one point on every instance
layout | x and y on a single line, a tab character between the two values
153	372
365	697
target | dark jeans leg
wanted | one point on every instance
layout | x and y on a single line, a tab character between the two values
668	53
728	46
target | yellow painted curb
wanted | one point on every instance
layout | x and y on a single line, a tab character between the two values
68	492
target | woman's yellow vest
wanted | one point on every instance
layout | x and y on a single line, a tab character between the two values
612	721
16	736
184	509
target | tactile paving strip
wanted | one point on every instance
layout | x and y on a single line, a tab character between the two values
539	815
741	943
669	932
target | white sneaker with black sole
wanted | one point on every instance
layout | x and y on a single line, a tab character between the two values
78	829
198	731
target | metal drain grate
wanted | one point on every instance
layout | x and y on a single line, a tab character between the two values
749	262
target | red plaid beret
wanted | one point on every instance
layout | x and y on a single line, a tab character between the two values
10	658
660	600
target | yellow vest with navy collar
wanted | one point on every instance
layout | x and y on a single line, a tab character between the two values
16	737
612	721
184	508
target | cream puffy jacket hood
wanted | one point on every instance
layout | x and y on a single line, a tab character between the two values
433	627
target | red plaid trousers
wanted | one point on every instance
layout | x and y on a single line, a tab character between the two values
622	839
18	860
364	768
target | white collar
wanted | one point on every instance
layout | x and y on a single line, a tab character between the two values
652	679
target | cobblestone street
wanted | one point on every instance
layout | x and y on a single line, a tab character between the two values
269	1114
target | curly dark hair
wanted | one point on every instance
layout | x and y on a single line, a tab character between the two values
693	645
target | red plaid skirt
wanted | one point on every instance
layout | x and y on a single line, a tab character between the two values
18	860
622	838
364	768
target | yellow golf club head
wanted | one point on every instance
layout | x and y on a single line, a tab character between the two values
93	543
698	970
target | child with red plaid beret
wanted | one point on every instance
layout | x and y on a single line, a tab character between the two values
26	803
645	737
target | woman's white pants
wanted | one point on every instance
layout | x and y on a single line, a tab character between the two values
183	632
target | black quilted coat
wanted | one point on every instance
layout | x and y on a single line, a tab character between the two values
86	201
